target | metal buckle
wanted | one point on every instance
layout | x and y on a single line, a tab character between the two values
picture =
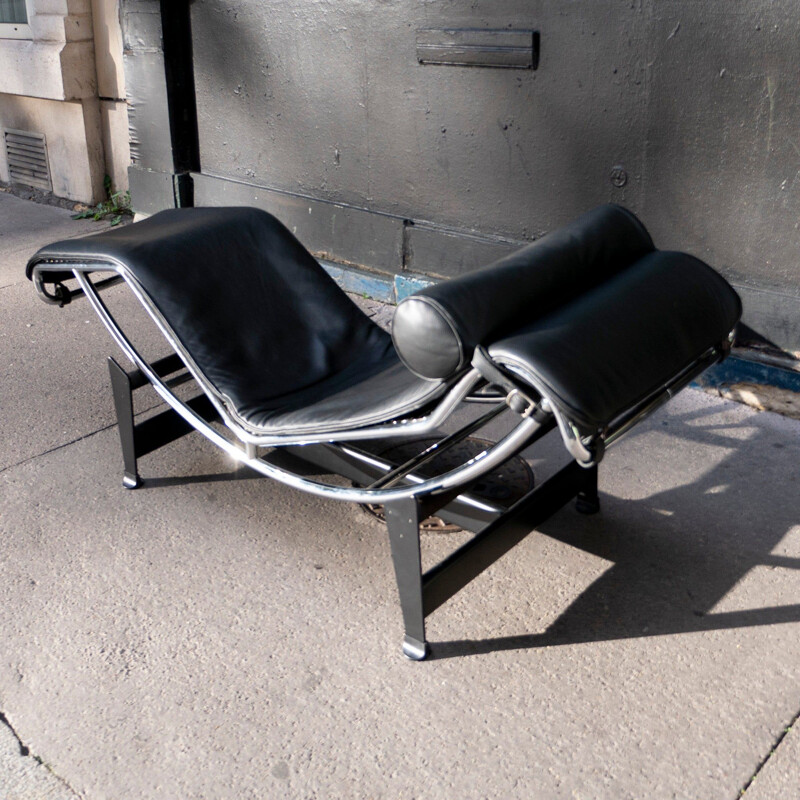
526	408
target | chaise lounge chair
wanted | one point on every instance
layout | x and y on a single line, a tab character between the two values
587	331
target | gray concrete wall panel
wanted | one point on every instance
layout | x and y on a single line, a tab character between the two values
435	250
151	179
329	100
330	230
153	190
685	111
357	236
723	148
148	118
774	314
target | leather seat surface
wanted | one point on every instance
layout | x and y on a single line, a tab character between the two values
348	400
613	346
436	330
282	344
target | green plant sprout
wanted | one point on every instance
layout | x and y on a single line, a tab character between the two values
116	205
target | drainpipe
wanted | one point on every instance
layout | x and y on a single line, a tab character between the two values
162	110
176	27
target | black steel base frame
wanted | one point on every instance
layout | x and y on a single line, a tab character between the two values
421	593
139	439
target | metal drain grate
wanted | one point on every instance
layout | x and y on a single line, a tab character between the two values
504	486
26	154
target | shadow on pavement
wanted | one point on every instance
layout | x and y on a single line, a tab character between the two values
676	554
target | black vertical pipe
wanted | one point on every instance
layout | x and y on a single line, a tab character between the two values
176	28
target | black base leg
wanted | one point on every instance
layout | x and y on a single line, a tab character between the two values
402	520
123	403
588	500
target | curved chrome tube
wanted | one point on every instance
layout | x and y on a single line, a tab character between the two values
407	427
482	463
473	468
570	436
575	444
54	299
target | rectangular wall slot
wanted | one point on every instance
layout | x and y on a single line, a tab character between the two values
26	155
475	47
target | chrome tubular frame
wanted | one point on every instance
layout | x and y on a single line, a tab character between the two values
402	427
586	449
246	452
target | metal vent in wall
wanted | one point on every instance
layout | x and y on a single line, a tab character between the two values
26	154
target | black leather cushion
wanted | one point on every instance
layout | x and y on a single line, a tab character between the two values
612	347
436	330
266	325
349	399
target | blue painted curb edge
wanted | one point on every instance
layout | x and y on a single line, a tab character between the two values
405	285
356	281
381	287
739	370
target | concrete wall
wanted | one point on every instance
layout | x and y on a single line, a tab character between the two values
73	133
65	82
159	75
108	50
685	111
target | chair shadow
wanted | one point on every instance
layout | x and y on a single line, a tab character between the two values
676	554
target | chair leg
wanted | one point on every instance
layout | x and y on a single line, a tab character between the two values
588	500
402	520
123	403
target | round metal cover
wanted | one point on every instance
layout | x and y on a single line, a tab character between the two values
504	486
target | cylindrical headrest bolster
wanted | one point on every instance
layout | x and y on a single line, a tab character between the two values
436	330
427	339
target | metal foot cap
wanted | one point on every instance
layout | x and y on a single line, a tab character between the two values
131	481
415	650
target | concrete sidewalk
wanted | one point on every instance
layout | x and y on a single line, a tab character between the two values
215	635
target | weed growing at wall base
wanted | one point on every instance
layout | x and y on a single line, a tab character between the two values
116	205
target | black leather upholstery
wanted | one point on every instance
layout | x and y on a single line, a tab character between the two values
590	315
436	330
267	326
613	346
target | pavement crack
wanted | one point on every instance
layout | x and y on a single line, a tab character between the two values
61	446
764	761
23	750
57	447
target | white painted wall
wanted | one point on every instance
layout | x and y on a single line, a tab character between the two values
66	82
